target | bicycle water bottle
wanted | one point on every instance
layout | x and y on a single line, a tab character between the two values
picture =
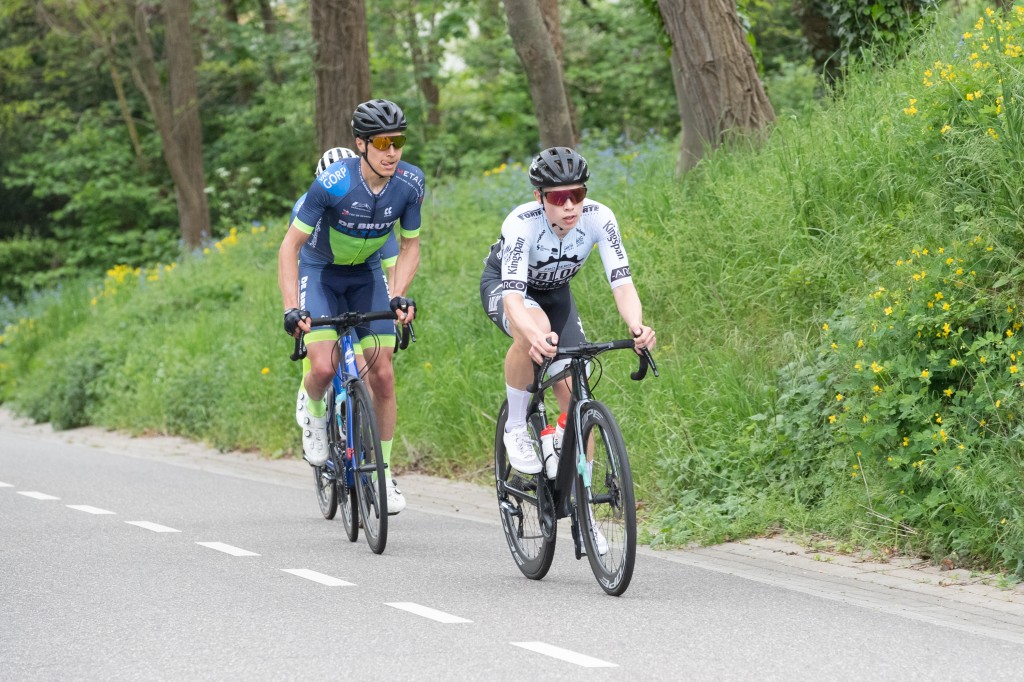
559	432
547	441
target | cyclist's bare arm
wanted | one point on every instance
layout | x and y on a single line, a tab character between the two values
631	310
405	269
288	269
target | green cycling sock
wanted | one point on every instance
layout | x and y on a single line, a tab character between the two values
317	408
385	451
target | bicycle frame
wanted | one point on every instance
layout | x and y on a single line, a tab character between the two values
347	372
573	448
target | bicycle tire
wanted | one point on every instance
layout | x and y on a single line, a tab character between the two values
324	479
368	465
611	500
531	548
344	493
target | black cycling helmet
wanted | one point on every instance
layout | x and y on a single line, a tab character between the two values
377	116
558	166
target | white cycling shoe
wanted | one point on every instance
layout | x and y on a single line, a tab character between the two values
522	454
314	432
396	500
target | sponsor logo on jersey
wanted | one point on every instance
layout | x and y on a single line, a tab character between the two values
359	206
332	180
530	214
619	273
387	212
590	208
513	285
613	238
365	230
516	254
412	177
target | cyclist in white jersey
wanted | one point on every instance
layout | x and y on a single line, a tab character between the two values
525	284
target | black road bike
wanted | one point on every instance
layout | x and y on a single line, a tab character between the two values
593	485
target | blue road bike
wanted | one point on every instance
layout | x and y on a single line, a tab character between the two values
353	476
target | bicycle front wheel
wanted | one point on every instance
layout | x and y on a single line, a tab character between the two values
607	510
531	547
345	496
368	465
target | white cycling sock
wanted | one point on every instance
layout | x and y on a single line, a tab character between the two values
518	401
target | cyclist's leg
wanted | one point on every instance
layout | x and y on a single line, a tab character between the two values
560	307
518	365
317	296
378	340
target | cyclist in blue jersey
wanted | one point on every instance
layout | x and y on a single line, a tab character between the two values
329	263
388	252
525	291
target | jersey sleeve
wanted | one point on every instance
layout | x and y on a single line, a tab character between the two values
295	210
613	252
410	220
327	189
515	256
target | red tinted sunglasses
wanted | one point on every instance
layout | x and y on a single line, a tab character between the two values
558	197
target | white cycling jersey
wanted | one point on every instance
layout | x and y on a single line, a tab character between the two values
530	255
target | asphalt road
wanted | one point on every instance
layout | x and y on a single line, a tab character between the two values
124	560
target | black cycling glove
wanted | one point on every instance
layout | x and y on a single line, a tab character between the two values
403	303
292	317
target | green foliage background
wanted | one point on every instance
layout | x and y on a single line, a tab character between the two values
813	377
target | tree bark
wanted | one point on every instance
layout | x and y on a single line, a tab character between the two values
543	72
425	55
553	24
341	67
719	92
176	114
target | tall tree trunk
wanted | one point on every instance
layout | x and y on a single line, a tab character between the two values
341	68
425	58
543	72
231	11
553	24
176	114
717	86
268	17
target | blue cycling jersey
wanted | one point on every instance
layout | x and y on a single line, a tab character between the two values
388	252
347	224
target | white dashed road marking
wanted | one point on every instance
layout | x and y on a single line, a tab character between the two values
427	612
227	549
328	580
565	655
155	527
89	510
6	485
37	495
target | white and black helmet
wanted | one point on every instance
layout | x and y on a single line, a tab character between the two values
332	155
377	116
558	166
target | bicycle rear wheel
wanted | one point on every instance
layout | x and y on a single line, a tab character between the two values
531	547
324	477
611	512
368	464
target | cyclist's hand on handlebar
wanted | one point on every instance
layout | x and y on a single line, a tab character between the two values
543	345
404	308
643	338
296	320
